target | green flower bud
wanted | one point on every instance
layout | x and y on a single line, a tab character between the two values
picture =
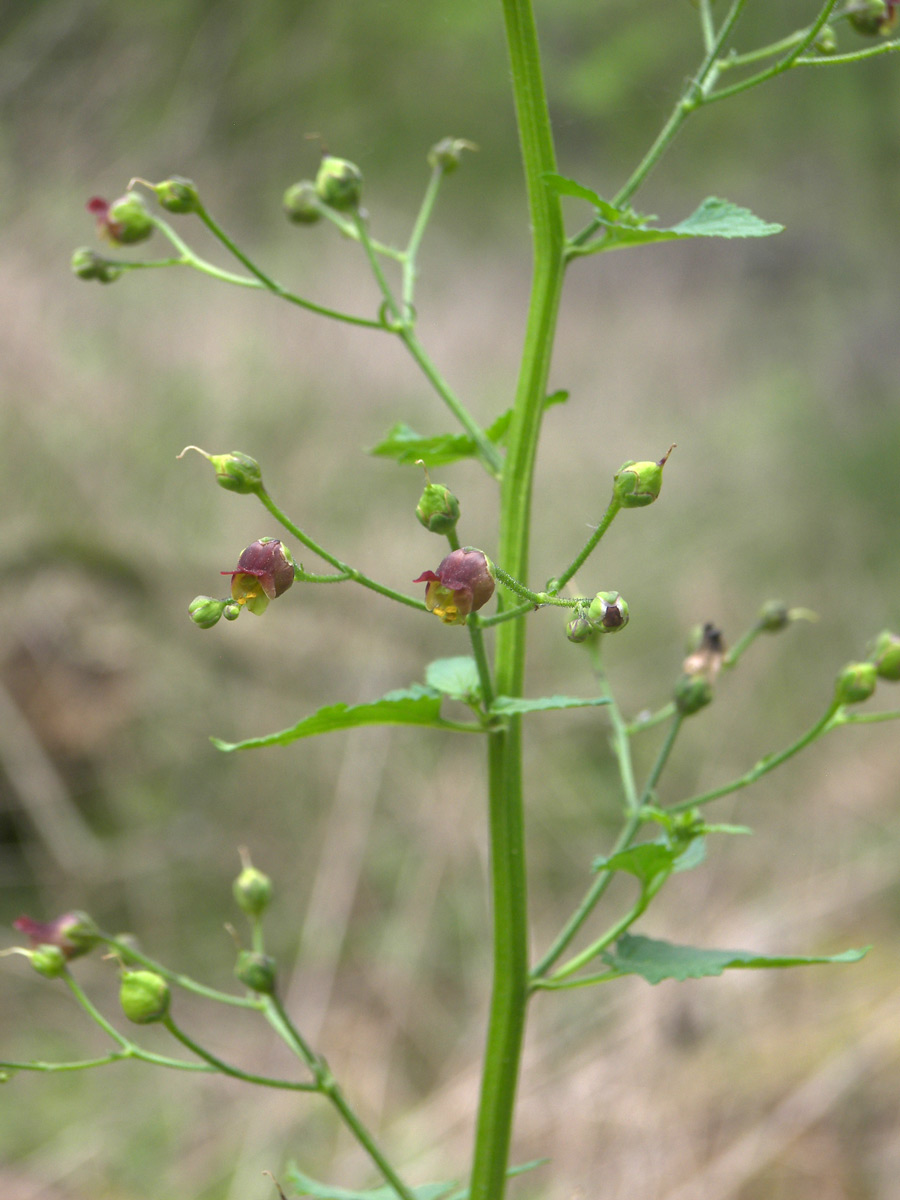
885	654
252	889
302	204
774	616
855	683
446	153
177	195
873	17
692	692
438	509
49	961
826	40
235	472
87	264
144	997
256	971
339	183
608	612
231	611
637	484
205	611
580	627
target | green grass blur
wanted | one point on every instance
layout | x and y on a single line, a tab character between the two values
774	367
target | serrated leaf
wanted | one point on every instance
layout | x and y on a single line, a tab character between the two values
417	705
721	218
511	706
403	444
456	678
324	1191
657	960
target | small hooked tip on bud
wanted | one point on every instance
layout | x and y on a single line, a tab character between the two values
608	612
438	508
88	264
252	889
339	183
236	472
175	194
700	669
775	616
855	683
884	652
144	996
446	153
637	484
124	221
301	203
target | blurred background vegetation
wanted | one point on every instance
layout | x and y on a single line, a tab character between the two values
773	365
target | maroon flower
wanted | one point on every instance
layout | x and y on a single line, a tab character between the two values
462	584
74	932
264	571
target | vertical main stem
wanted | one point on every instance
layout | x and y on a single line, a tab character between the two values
506	1024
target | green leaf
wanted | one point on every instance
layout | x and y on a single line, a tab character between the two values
456	678
568	187
510	706
714	218
403	444
406	446
655	960
417	705
307	1186
646	861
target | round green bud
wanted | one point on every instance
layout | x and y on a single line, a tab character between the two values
826	40
127	218
774	616
87	264
231	611
339	183
855	683
580	627
205	611
438	509
302	204
237	472
871	17
144	997
692	692
608	612
885	654
178	195
637	484
447	152
48	960
256	971
252	891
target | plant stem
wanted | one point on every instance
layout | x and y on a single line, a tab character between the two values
509	994
234	1072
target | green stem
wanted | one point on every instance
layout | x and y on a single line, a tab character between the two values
347	572
261	280
327	1085
556	585
116	1056
537	599
661	759
234	1072
415	241
612	934
509	994
832	718
621	740
129	955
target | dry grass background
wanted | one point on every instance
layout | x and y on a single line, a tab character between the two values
773	367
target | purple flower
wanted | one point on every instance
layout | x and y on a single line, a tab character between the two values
74	932
264	571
